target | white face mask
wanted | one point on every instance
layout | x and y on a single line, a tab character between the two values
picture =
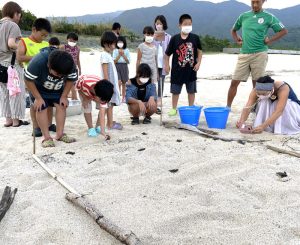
149	39
159	27
144	80
120	45
186	29
264	97
72	44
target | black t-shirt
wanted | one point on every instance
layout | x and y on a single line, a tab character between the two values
185	55
141	89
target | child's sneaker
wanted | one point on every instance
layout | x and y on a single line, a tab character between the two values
98	130
92	132
172	112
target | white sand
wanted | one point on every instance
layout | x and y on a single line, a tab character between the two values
223	193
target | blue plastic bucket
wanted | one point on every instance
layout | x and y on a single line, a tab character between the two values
190	114
216	117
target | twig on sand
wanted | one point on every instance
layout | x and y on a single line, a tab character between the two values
208	135
126	237
6	200
283	151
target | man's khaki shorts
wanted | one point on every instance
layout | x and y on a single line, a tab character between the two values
254	64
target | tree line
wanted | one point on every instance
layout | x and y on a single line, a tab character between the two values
209	43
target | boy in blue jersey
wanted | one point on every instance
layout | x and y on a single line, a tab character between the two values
50	77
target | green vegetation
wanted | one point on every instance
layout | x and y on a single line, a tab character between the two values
213	44
27	20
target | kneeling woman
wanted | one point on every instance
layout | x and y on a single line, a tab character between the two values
141	95
277	108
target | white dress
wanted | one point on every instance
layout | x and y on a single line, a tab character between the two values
288	123
106	58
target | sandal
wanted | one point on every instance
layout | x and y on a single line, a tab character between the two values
158	111
8	125
117	126
147	120
37	132
52	127
67	139
48	143
21	123
135	120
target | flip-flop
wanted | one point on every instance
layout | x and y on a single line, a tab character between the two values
117	126
67	139
48	143
21	123
8	125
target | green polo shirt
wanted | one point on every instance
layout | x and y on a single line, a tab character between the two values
255	27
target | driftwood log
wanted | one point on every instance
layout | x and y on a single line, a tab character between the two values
283	151
6	200
78	199
209	133
126	237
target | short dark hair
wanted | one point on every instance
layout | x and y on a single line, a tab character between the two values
163	20
184	17
104	89
61	62
122	39
116	26
10	8
144	70
148	30
73	36
108	38
42	24
265	79
54	41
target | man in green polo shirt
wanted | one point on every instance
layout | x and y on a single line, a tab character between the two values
253	57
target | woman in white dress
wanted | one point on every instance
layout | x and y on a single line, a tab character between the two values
277	108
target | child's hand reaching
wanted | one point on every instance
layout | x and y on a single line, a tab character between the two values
106	136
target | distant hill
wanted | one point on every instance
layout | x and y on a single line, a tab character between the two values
90	18
208	18
214	19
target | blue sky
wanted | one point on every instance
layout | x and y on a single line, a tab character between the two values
81	7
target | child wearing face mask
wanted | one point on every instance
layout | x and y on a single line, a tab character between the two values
141	95
74	50
187	55
161	42
121	58
147	52
108	71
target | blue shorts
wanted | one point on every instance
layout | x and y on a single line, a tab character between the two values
191	87
48	102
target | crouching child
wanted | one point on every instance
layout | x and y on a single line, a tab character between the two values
49	78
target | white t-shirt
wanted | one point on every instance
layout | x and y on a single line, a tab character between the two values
160	57
106	58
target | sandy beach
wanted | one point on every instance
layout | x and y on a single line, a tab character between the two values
222	193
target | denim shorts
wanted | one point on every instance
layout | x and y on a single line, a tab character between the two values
48	102
191	87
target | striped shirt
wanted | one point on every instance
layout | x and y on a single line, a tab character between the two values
86	83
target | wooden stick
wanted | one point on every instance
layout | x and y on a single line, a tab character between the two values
161	102
6	200
54	176
283	151
126	237
203	134
33	132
